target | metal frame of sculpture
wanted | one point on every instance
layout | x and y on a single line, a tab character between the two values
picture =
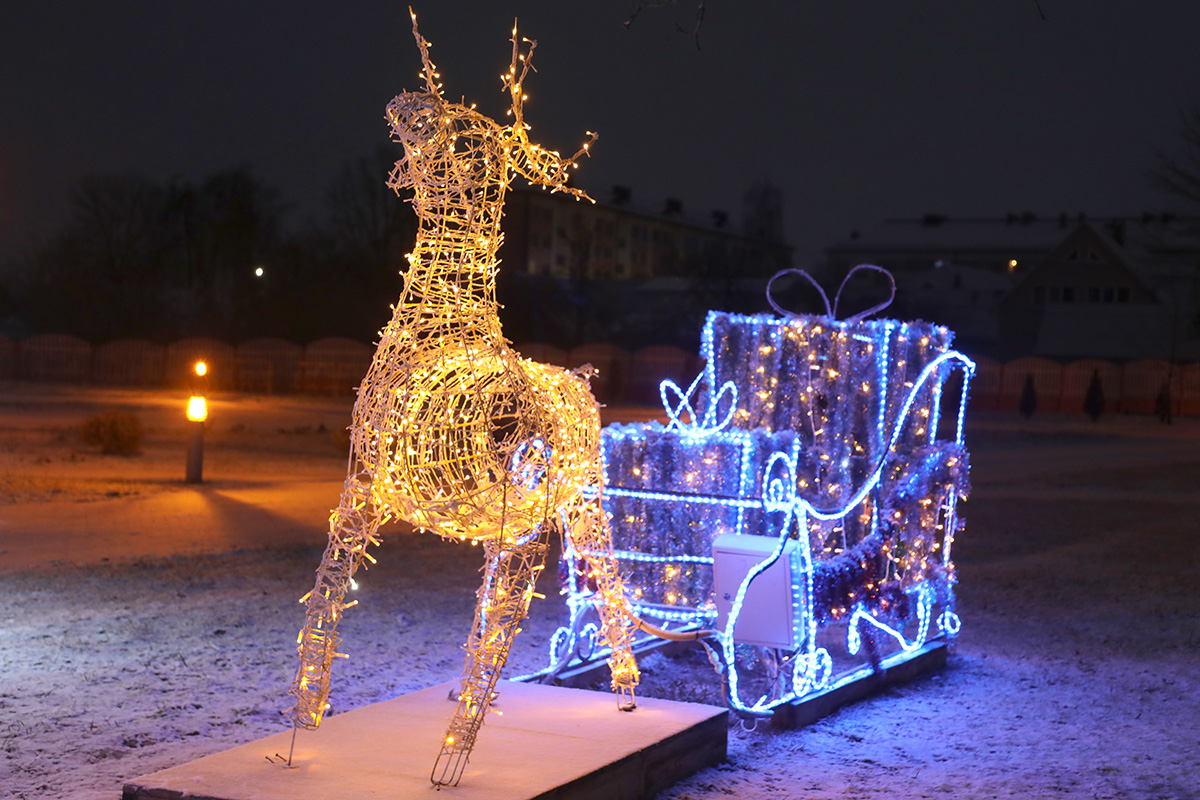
452	430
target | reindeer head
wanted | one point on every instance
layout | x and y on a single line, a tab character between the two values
461	149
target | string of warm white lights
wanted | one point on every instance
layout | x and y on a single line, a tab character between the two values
452	430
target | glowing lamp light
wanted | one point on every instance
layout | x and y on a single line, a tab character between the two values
201	369
197	413
197	408
1012	264
258	272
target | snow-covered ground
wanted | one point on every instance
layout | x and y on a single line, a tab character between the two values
145	623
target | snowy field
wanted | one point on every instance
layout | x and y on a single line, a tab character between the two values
146	623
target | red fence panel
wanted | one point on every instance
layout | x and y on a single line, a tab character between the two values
55	357
129	362
334	365
268	365
985	386
1189	390
8	357
1047	382
1141	381
1077	376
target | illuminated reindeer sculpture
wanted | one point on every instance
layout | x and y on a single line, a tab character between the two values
452	430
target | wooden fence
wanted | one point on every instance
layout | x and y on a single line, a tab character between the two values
1132	387
336	366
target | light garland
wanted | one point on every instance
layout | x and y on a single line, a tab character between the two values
452	430
807	429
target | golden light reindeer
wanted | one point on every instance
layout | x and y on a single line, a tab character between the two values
452	430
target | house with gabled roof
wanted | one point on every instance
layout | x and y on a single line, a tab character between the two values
1091	296
1118	288
1084	299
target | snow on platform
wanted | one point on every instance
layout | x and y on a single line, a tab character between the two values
549	742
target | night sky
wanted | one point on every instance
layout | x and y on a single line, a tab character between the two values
860	110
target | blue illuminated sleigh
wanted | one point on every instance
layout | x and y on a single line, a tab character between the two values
800	502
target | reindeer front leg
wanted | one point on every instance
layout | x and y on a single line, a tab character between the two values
352	527
508	583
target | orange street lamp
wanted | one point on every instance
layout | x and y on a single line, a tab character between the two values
197	409
197	413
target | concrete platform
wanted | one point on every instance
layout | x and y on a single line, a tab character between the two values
549	742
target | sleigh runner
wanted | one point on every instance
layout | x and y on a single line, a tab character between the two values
800	502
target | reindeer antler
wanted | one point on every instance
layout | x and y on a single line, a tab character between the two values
429	71
545	167
514	82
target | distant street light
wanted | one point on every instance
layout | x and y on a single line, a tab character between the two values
197	410
197	413
258	272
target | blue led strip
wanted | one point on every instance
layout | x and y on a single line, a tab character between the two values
695	499
697	426
924	606
633	555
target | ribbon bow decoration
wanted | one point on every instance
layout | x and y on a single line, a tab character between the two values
695	425
832	311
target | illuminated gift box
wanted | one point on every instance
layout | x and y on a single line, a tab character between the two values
837	446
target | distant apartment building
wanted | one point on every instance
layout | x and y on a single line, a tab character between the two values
555	236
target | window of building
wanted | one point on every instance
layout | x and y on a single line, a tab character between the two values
1068	294
1039	295
1109	294
1123	294
1055	294
1094	294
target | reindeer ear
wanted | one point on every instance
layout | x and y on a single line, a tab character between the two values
429	70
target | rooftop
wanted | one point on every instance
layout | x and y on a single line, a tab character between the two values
1026	231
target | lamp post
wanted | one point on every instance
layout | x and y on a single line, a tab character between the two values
197	413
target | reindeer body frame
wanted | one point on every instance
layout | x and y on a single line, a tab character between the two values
452	430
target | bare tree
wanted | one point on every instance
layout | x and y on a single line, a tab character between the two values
1178	173
367	220
642	5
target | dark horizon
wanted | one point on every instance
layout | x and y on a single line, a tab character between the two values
858	111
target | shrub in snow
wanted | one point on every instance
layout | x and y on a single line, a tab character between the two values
113	431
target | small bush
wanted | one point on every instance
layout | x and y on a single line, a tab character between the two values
114	431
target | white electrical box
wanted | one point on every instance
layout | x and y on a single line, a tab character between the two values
767	615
